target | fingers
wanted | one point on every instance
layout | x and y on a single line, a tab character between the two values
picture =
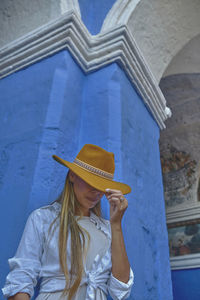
116	198
113	193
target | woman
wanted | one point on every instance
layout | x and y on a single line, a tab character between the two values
75	253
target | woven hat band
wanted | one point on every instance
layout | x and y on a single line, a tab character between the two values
93	170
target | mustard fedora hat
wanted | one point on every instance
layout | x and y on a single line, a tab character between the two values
96	167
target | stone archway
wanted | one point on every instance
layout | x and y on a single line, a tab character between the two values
160	28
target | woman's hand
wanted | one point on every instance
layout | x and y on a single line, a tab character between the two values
118	205
120	263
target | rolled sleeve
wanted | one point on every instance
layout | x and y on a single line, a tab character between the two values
119	290
25	265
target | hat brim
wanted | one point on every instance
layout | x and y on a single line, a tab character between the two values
94	180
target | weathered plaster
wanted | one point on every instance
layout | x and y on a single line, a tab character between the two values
187	60
180	142
179	176
19	17
162	28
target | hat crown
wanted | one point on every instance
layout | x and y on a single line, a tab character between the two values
97	157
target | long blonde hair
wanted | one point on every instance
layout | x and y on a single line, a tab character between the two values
68	222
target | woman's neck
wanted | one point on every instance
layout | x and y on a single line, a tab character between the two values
84	213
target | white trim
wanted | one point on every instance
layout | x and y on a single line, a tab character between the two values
189	261
90	52
183	213
70	5
119	14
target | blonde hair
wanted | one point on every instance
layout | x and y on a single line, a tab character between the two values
68	221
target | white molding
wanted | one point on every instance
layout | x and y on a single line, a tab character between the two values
70	5
183	213
119	14
189	261
90	52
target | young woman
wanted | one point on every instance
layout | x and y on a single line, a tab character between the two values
68	245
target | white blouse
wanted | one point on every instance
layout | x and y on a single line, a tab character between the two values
38	257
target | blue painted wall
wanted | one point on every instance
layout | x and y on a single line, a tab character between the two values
114	113
186	284
94	12
52	107
37	118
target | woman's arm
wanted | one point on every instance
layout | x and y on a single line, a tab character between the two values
20	296
26	264
120	263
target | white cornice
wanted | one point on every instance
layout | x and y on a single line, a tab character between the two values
70	5
190	261
183	213
90	52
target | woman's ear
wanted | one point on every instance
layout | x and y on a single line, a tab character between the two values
72	176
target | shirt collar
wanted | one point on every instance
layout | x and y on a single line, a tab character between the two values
99	222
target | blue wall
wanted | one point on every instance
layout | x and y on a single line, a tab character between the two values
52	107
186	284
36	120
94	12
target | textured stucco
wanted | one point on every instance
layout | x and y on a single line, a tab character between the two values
187	60
162	28
180	142
19	17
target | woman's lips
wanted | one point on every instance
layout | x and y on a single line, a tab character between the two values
92	199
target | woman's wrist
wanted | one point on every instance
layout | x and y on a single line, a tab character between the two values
116	226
